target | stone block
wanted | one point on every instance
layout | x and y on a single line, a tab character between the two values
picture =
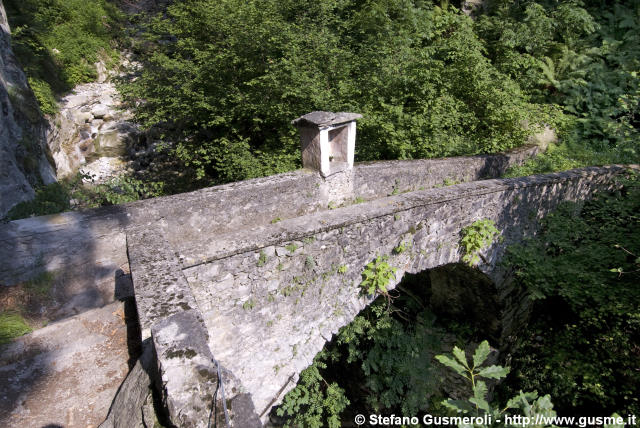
195	388
160	287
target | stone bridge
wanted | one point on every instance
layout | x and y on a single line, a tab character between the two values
237	287
266	298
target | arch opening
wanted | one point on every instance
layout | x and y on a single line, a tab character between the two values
383	361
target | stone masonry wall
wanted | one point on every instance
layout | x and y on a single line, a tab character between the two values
379	179
273	294
86	251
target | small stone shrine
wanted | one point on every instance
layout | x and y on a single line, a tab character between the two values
328	140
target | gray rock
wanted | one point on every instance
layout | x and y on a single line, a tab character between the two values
132	406
23	150
89	128
82	117
100	111
193	391
65	374
156	267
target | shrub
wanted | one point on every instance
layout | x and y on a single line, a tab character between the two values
44	95
50	199
386	365
224	79
376	276
475	238
583	269
56	197
581	58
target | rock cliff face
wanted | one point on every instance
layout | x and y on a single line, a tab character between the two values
24	161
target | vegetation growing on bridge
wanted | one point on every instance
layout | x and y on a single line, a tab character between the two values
377	275
477	237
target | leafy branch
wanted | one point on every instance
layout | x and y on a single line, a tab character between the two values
528	403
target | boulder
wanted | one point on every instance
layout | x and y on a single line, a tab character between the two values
101	111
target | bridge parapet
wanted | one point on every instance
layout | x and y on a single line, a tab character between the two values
87	250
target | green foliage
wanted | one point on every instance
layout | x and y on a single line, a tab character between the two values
526	403
393	355
475	238
376	276
12	326
583	59
389	358
56	197
58	41
50	199
118	190
248	305
401	248
44	95
41	284
556	158
583	270
292	247
224	86
450	182
309	262
314	402
342	269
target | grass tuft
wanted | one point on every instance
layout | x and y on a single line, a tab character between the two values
12	326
